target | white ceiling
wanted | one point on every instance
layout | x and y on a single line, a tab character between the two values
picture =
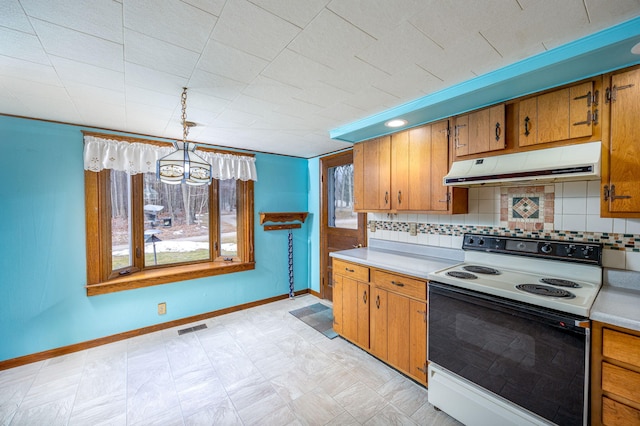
265	75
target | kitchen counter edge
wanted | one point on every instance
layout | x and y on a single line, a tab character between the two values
618	300
401	262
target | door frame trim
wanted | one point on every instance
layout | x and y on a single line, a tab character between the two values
325	163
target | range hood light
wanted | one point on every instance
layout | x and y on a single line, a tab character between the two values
398	122
636	49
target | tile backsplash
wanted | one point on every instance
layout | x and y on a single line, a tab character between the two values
565	211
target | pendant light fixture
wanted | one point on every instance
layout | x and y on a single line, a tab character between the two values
184	165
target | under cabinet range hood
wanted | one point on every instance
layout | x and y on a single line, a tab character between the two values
572	162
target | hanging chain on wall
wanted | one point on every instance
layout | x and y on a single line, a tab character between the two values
291	264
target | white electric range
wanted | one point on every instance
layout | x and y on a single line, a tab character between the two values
509	333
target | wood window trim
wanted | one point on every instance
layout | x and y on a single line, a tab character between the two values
99	242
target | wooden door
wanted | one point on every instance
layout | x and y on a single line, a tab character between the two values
440	198
399	331
350	306
479	130
379	318
553	116
400	151
363	315
377	173
341	228
420	164
418	340
624	154
337	303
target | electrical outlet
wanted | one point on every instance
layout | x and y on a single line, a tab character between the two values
162	308
413	229
372	226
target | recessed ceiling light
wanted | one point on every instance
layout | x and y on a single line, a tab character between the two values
395	123
636	49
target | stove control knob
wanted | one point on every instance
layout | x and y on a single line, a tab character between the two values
470	240
481	242
587	251
546	249
571	249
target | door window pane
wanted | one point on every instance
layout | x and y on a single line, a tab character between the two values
121	242
228	219
341	214
176	222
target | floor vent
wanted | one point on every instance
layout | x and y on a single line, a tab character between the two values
191	329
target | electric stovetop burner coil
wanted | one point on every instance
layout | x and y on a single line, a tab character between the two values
481	269
462	275
545	290
560	283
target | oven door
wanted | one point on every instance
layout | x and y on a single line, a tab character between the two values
530	356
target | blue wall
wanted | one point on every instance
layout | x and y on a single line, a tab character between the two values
42	249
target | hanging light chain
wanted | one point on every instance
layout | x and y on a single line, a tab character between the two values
185	128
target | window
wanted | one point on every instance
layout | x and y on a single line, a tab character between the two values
143	232
341	214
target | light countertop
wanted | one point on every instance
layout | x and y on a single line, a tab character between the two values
618	302
404	258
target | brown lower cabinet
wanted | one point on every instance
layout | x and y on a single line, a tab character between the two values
391	324
615	375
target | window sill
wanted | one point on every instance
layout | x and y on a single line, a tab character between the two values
167	275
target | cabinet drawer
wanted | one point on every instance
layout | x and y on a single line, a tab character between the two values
351	270
617	414
621	346
621	381
407	286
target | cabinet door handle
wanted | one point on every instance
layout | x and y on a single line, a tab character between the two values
526	126
386	197
498	131
399	197
423	369
364	297
397	283
349	270
378	301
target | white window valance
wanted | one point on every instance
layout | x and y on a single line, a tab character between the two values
135	158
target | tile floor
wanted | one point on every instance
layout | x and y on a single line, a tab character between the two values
261	366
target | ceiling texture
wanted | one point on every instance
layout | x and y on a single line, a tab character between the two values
272	76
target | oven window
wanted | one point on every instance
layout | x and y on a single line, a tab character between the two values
522	358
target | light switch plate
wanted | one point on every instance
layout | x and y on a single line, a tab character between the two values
413	229
372	226
162	308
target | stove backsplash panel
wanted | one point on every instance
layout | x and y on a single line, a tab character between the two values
563	211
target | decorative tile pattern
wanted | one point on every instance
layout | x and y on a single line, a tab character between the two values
527	207
611	241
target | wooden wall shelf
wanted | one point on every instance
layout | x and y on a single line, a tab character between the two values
282	217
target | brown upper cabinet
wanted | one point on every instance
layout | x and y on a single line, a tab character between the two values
404	171
620	195
479	131
372	174
558	115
